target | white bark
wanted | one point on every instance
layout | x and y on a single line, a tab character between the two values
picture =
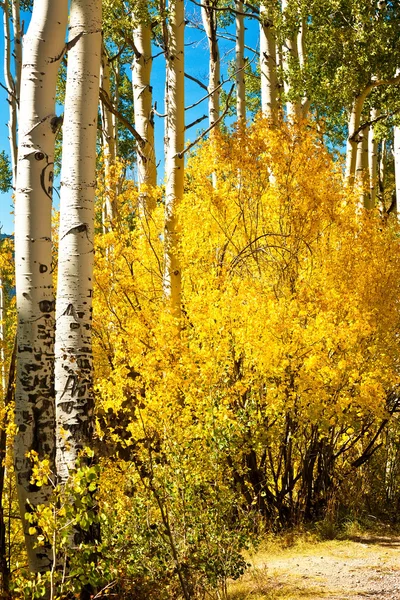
108	142
17	49
240	64
73	351
354	124
143	104
268	59
175	141
362	168
373	160
13	91
382	166
34	398
209	17
289	53
302	53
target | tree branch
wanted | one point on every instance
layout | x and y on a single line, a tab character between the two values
200	83
199	120
107	102
196	141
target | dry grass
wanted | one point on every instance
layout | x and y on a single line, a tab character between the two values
280	569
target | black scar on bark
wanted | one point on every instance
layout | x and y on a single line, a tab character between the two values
46	306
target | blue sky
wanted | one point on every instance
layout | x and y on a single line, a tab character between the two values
196	63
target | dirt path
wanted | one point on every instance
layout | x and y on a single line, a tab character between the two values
367	567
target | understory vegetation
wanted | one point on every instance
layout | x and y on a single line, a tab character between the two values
273	406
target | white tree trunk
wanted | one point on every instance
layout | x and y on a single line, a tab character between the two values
109	151
268	59
302	54
209	17
12	89
289	53
175	141
362	168
239	53
73	348
17	49
351	151
34	397
143	104
373	160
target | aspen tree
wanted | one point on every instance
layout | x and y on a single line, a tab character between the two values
175	141
44	45
12	85
73	351
268	60
373	158
143	103
362	168
240	63
209	18
355	120
108	142
289	53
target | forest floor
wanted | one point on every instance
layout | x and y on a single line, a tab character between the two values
361	566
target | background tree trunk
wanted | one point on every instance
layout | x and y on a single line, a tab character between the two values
269	83
239	53
143	103
214	75
175	141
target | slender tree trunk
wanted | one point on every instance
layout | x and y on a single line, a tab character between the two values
268	71
289	54
354	124
73	348
362	168
12	89
302	53
373	159
210	25
239	53
44	44
17	49
108	140
143	104
175	141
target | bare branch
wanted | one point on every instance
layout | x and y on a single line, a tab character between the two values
196	122
107	102
196	141
200	83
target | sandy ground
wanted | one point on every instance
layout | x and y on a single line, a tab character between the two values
366	567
